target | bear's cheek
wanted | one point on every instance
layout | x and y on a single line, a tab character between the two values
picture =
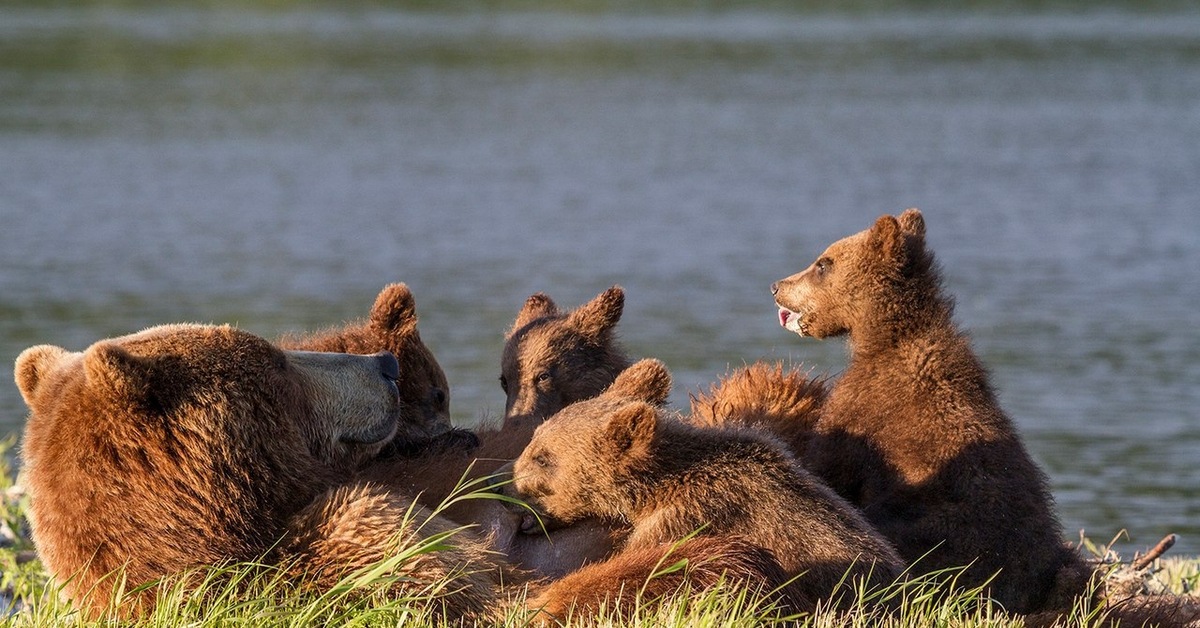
551	495
529	482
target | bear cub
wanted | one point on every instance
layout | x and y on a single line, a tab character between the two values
912	432
618	456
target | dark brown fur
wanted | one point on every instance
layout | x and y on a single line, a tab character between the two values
618	457
912	432
187	446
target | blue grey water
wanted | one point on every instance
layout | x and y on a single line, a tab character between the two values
273	169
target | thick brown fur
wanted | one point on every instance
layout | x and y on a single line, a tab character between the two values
553	358
620	457
784	402
550	358
190	445
356	526
912	432
641	576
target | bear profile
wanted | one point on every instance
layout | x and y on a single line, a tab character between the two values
186	446
424	392
620	457
912	432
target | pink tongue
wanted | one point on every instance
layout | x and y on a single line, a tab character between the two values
783	317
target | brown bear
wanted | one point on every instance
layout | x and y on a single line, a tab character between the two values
424	391
579	348
550	358
912	431
193	445
554	358
784	402
619	457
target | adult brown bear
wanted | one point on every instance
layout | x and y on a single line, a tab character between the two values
191	445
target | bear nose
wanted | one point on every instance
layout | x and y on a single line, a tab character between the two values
774	288
389	367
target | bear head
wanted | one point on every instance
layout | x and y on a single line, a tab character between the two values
187	445
424	390
392	327
553	358
580	461
838	290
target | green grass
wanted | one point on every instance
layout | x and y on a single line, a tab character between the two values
259	595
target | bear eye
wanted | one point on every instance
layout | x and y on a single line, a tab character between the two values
438	396
823	265
542	378
504	384
541	460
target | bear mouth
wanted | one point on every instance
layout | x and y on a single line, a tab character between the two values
373	435
791	321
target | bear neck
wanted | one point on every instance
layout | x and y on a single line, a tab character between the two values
904	309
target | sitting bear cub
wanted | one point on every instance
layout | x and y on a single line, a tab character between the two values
912	432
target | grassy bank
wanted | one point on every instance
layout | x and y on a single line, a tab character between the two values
259	596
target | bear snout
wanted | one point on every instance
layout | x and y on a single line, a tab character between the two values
389	366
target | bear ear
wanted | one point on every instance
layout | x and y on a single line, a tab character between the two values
631	428
886	238
537	306
597	318
646	380
395	310
912	223
32	366
118	373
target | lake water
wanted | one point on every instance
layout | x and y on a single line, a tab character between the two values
274	169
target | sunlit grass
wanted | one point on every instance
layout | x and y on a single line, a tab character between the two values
265	595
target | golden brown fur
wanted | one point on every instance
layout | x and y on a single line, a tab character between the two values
356	526
642	576
784	402
912	432
189	445
619	457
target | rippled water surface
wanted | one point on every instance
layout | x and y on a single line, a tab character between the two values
274	169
